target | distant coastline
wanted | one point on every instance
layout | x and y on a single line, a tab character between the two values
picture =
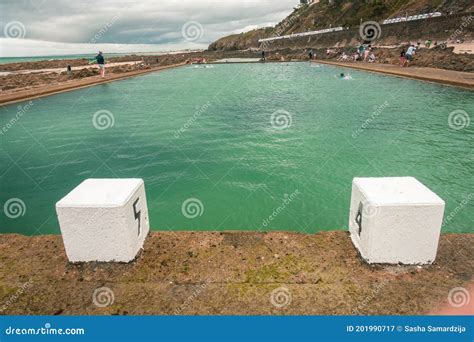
6	60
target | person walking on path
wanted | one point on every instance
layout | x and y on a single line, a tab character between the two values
101	62
402	58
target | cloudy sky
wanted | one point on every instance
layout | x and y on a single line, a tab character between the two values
51	27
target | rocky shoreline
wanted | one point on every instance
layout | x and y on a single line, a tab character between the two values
229	273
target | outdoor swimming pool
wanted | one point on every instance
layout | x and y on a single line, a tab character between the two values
239	143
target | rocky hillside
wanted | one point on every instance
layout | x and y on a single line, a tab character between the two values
325	13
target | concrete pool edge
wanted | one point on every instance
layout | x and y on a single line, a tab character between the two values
418	73
30	94
230	273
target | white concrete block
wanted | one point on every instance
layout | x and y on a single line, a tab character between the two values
104	220
395	220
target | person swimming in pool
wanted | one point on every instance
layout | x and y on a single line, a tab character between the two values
342	76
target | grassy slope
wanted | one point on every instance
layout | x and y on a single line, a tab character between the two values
340	13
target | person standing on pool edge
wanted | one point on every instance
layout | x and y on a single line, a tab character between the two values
101	62
409	54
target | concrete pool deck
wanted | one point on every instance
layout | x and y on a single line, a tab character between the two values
450	77
229	273
236	60
9	97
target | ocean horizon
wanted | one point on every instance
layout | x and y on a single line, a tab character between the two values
6	60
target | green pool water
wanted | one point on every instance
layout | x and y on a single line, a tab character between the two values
246	146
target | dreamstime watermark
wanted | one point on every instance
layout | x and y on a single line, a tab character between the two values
192	208
459	119
281	297
281	119
192	31
14	208
459	32
103	297
459	297
370	31
373	293
46	330
368	209
196	292
197	114
103	119
458	208
14	298
287	199
38	4
280	29
14	29
375	114
103	30
21	110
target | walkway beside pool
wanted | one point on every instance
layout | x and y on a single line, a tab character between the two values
231	273
455	78
9	97
236	60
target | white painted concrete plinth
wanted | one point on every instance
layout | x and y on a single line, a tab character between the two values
395	220
104	220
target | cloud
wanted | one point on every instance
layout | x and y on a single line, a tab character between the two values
124	22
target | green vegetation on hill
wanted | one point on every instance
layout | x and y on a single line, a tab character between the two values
333	13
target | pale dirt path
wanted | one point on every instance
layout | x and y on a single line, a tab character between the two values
59	70
466	47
